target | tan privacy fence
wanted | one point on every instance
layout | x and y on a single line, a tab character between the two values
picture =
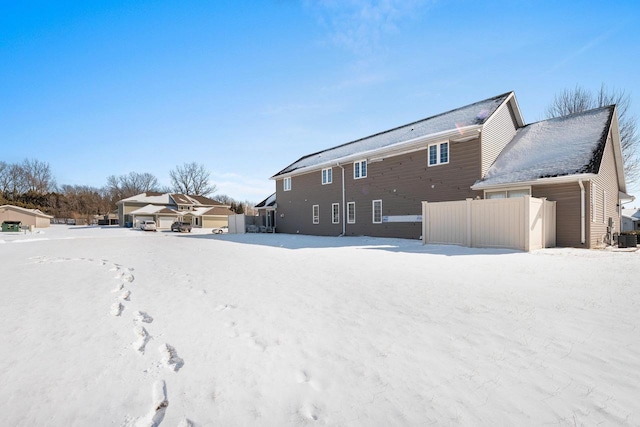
523	223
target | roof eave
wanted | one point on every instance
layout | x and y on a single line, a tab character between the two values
539	181
394	149
617	150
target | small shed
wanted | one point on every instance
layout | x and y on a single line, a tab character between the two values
28	217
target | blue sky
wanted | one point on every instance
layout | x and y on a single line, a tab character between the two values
247	87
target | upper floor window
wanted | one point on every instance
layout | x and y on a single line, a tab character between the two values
327	176
439	154
286	184
360	169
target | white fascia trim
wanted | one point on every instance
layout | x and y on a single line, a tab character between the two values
614	132
539	181
396	149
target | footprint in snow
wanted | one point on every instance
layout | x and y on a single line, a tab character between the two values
143	339
170	357
118	288
125	295
116	309
141	316
225	307
158	407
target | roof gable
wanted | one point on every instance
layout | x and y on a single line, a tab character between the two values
269	201
562	146
35	212
475	114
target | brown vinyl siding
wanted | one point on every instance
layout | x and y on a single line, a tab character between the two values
497	133
605	182
401	182
567	198
295	207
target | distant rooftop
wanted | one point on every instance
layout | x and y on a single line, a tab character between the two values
473	114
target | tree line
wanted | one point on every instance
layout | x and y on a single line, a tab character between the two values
31	184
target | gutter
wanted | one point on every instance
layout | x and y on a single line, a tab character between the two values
393	149
539	181
344	205
582	213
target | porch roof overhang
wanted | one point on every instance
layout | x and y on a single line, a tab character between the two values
479	186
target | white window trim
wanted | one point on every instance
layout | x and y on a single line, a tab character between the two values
593	202
438	145
350	221
360	163
315	218
335	214
327	172
286	184
506	191
373	211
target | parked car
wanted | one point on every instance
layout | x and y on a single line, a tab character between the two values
220	230
148	225
181	226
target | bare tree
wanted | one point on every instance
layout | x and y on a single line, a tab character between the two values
5	177
579	99
191	178
123	186
37	176
16	181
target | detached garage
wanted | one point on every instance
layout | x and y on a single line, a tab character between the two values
28	217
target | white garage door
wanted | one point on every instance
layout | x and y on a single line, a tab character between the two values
165	221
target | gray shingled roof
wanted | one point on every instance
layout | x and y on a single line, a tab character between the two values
473	114
561	146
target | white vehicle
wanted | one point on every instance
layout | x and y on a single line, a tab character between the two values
148	225
220	230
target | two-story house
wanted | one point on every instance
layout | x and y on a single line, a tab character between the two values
165	208
375	185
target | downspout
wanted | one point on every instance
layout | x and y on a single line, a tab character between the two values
582	213
344	206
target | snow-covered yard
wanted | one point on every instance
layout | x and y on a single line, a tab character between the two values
111	326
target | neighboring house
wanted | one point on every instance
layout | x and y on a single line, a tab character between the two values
28	217
166	208
375	185
630	219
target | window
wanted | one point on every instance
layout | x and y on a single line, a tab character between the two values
360	169
327	177
335	213
507	193
439	154
351	212
286	184
316	214
377	211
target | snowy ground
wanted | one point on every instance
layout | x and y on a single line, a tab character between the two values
111	326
